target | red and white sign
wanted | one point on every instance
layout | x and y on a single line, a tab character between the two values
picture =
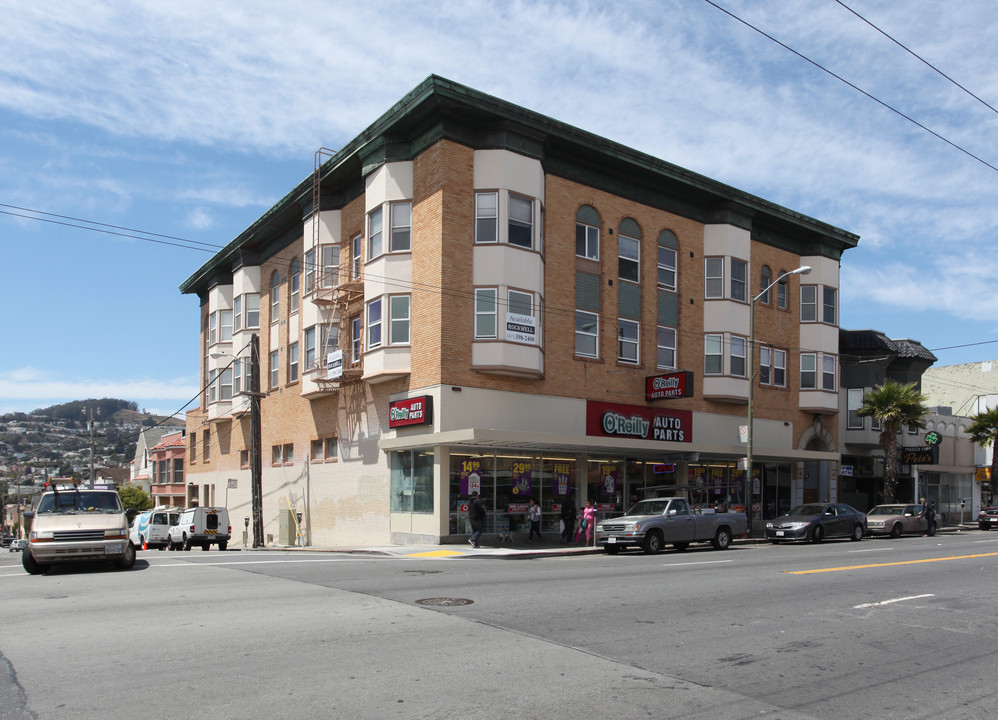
670	385
412	411
640	422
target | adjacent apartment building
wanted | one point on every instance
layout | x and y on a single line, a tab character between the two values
471	296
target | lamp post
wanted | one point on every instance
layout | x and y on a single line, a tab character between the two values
802	270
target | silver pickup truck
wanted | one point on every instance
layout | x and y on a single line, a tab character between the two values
654	523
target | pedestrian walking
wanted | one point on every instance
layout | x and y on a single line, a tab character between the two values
586	522
929	513
535	521
568	514
476	515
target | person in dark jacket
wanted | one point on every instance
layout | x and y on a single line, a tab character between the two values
568	516
476	514
929	513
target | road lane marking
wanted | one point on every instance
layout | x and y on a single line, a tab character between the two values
888	602
873	550
900	562
699	562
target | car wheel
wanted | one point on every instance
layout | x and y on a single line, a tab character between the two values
722	540
611	549
206	547
187	543
857	533
653	543
896	530
680	546
222	545
817	534
32	567
127	559
775	542
982	526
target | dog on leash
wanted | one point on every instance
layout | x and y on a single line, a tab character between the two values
505	538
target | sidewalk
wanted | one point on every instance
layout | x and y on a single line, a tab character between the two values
517	549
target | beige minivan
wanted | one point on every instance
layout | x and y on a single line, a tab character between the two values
73	524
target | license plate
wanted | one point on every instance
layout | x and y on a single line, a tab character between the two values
112	549
611	541
779	533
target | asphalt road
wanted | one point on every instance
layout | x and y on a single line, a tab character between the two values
877	629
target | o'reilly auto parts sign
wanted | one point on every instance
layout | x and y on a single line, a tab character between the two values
636	421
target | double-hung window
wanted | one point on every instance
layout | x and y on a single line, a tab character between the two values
772	367
295	285
828	372
356	256
521	221
713	354
374	228
808	371
808	303
665	348
237	376
399	320
310	355
374	324
293	363
738	356
854	400
309	272
275	370
225	326
486	217
828	305
520	303
587	241
225	384
628	262
765	280
330	266
401	239
781	294
212	328
713	278
586	334
237	313
275	296
486	324
739	280
356	340
628	336
252	310
666	268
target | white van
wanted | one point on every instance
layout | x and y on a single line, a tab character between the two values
151	529
204	526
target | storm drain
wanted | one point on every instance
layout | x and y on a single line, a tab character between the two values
444	602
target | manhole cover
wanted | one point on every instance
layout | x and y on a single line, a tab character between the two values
445	602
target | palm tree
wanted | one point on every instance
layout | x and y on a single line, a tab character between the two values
894	405
983	430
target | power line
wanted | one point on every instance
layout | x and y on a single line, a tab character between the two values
852	85
917	57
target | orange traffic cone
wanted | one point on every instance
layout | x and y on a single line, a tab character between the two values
145	545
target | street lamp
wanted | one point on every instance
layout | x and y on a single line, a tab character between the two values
802	270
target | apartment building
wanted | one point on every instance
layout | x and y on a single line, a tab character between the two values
471	296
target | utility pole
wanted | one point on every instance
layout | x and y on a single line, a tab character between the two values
256	462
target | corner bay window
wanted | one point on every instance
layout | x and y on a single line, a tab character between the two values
521	221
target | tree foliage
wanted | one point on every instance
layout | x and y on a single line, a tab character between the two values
983	431
134	498
895	405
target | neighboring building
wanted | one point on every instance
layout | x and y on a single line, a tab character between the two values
13	520
166	460
482	304
142	469
968	389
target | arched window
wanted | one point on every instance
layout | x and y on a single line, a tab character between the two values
294	280
765	280
587	232
275	296
629	250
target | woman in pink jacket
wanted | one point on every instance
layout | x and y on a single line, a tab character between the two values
586	522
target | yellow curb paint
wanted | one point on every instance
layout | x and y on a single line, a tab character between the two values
436	553
901	562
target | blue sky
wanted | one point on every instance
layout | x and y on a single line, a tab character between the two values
190	119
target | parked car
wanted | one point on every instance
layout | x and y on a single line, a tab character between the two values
652	523
816	521
202	526
988	518
895	519
17	545
6	540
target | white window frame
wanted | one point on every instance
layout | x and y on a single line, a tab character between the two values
515	222
779	367
275	296
275	369
665	347
829	305
294	286
401	231
828	373
212	328
587	239
517	300
225	326
765	280
237	377
809	367
583	320
713	278
374	316
237	313
739	280
252	310
628	341
292	363
854	401
356	257
486	313
375	232
713	352
225	384
629	258
808	303
310	355
486	218
356	340
667	269
399	319
782	293
330	255
309	272
737	351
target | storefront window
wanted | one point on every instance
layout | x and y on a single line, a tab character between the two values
470	473
412	481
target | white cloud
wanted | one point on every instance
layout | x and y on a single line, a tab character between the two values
27	388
